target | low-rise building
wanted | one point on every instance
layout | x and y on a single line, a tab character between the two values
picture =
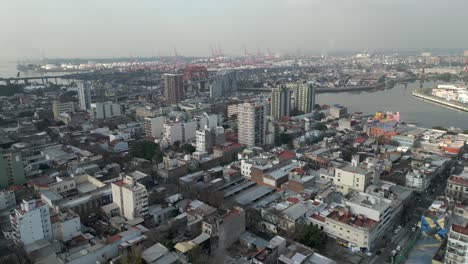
65	225
106	110
457	188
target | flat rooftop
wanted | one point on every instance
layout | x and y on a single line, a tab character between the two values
253	194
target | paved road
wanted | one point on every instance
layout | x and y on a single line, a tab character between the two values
416	210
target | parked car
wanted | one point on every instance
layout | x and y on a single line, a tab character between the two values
398	229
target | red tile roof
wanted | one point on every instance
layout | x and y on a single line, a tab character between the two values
119	183
315	203
459	180
293	200
15	187
318	217
300	171
353	220
460	229
113	239
287	154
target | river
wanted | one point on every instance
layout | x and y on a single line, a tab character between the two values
399	99
395	99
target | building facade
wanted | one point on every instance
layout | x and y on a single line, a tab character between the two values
84	95
182	132
11	169
31	222
252	125
304	97
131	197
280	101
173	87
106	110
154	127
62	107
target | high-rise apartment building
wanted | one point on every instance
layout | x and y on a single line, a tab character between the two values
280	101
84	95
251	121
304	96
62	107
173	87
131	197
11	168
31	222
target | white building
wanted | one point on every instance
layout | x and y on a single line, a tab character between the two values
417	180
154	127
66	225
120	135
84	95
131	197
338	111
182	132
62	107
252	125
246	166
106	110
207	138
31	222
232	110
457	244
352	177
209	121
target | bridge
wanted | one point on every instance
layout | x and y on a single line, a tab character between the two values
44	79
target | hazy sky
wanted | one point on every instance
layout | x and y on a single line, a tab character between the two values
110	28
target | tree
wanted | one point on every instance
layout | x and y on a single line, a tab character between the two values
176	146
296	112
188	148
311	236
284	138
439	128
319	116
132	257
146	150
446	77
320	126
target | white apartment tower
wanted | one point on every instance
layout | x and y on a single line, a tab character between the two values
84	95
252	126
131	197
31	222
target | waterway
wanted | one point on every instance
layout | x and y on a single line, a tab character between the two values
395	99
399	99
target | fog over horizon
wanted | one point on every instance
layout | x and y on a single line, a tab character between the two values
143	28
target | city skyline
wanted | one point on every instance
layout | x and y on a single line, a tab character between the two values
124	28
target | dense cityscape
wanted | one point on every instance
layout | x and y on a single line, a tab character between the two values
250	157
230	160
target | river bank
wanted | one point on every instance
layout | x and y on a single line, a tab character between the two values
421	95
